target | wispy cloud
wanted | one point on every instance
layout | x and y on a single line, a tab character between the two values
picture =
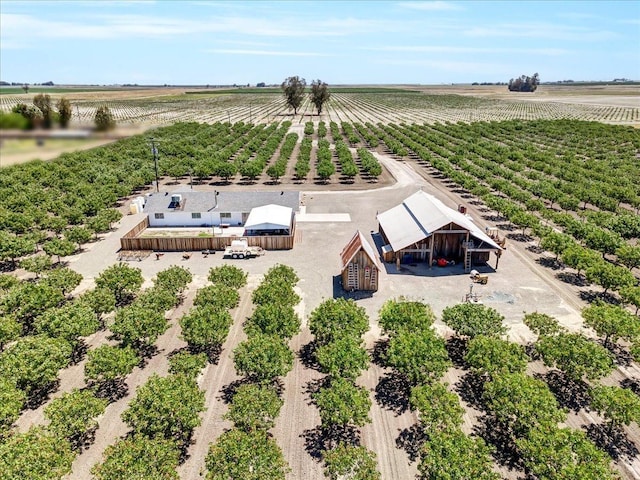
448	65
266	53
630	21
472	50
435	6
540	30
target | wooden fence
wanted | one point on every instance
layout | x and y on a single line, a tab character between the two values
131	241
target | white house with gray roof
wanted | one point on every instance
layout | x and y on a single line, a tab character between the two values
214	209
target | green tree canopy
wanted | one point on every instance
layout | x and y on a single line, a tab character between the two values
246	455
10	330
293	92
166	406
103	119
218	296
493	356
438	408
542	324
575	355
449	455
263	357
74	413
610	276
100	300
137	325
174	279
59	247
319	94
205	327
471	319
421	356
342	403
552	452
121	279
64	112
62	278
35	455
141	458
521	402
254	407
71	321
33	362
11	402
618	405
36	264
611	322
350	462
277	290
107	363
188	364
335	318
228	275
344	357
273	319
402	314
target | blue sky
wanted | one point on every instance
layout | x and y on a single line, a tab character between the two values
340	42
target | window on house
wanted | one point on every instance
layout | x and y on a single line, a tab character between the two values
196	215
225	215
159	216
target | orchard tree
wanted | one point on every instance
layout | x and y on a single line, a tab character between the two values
121	279
103	119
136	325
456	455
350	462
273	319
78	235
59	247
398	315
35	455
139	457
64	112
471	319
556	242
610	276
629	255
438	409
29	300
342	404
254	407
520	402
10	329
611	322
618	405
43	102
281	272
36	264
336	318
420	356
293	92
631	295
63	279
319	94
33	362
217	296
542	324
580	258
493	356
157	298
73	415
205	328
100	300
228	275
166	407
263	358
12	400
14	246
278	291
109	363
575	355
188	364
71	321
246	455
551	452
344	357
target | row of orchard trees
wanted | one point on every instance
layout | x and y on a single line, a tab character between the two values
248	450
30	364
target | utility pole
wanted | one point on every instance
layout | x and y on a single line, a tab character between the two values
154	151
250	115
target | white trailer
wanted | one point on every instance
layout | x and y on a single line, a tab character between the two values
240	249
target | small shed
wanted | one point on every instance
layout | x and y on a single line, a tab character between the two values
269	220
360	265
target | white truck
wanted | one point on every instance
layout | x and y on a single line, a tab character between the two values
240	249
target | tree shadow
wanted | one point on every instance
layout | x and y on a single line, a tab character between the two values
519	237
111	390
79	350
314	386
228	391
379	352
146	352
457	349
572	278
507	226
39	396
621	356
631	384
392	392
537	249
613	441
470	387
494	433
411	440
212	352
307	355
591	296
318	440
548	262
84	440
569	393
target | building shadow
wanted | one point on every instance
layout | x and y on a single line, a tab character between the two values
340	292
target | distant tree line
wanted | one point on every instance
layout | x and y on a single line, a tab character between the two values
524	83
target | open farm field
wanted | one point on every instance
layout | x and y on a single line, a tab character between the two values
102	361
410	104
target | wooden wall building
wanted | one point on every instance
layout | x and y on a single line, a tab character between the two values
360	265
